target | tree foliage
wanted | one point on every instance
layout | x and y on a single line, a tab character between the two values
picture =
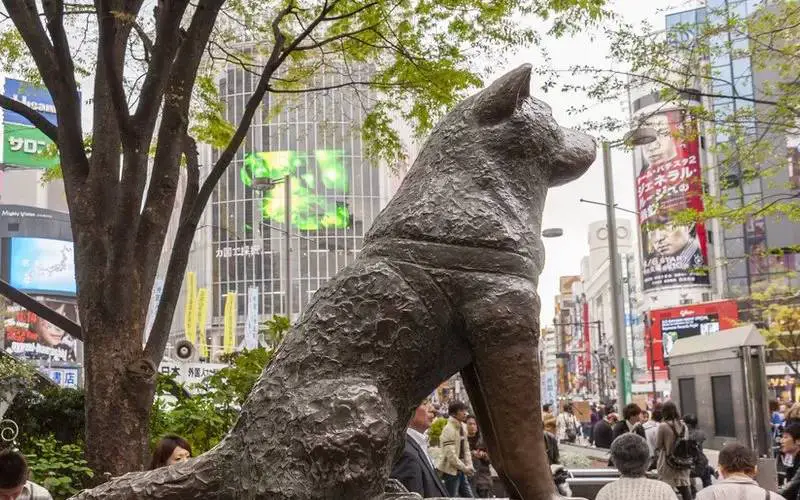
710	59
779	309
52	411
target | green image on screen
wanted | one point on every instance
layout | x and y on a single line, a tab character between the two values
314	190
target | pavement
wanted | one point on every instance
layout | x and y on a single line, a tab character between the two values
601	455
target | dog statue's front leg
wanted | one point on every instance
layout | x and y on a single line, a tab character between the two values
501	317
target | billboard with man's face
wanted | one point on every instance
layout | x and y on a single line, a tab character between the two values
670	182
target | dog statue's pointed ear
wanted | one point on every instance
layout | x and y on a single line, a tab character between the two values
499	100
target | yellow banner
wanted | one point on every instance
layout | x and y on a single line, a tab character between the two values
190	310
202	312
229	325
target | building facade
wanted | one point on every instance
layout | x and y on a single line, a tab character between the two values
761	251
313	139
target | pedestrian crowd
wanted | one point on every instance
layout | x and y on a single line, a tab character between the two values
660	454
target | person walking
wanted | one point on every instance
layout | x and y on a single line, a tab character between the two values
481	481
631	422
701	468
738	468
631	457
415	468
549	419
650	431
567	424
456	462
670	432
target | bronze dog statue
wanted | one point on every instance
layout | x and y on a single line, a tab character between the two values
446	282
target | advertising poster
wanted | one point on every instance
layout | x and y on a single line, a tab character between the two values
673	323
29	337
42	265
550	390
670	182
24	145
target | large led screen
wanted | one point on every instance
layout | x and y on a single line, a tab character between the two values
319	184
41	265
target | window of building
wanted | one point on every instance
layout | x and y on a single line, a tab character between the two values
736	268
722	397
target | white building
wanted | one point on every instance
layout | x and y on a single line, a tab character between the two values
594	293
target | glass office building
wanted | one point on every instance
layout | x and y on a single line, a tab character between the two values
336	193
745	247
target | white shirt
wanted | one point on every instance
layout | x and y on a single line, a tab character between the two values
32	491
650	431
422	440
738	487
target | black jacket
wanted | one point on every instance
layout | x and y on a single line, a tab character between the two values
415	472
621	428
791	485
603	434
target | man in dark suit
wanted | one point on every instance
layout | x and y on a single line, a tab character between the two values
603	433
631	422
415	468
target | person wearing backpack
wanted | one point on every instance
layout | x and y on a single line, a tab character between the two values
701	468
676	453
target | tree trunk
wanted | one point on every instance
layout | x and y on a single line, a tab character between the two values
120	385
118	406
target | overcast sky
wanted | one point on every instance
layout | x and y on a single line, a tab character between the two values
563	208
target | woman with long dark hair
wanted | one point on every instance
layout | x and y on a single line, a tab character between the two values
170	450
671	430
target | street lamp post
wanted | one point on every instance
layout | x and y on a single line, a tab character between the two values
636	137
263	184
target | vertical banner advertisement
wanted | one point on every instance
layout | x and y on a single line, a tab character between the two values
190	309
24	145
670	183
229	323
251	321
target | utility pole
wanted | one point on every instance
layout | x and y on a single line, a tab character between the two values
287	221
617	309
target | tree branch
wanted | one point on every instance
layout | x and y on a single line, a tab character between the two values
33	116
163	60
351	13
326	41
157	340
108	41
192	176
146	42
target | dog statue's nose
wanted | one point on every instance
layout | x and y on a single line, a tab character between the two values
575	157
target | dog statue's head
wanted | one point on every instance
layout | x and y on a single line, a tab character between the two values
505	117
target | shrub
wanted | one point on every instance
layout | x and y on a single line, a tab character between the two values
61	468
